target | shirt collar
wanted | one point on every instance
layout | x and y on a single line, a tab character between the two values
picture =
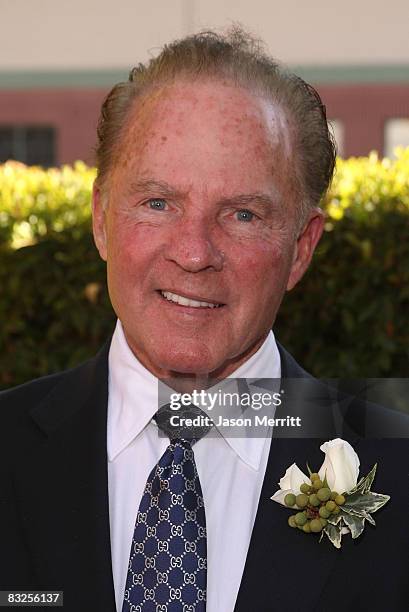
265	363
133	395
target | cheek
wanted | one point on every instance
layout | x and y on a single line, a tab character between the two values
262	276
261	262
129	243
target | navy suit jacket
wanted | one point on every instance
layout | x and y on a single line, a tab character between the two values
54	515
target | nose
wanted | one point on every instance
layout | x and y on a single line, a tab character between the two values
193	246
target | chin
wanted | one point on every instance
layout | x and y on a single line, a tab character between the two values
188	366
187	360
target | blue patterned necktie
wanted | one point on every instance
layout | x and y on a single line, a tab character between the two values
168	561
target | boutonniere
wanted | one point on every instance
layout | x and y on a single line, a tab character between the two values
330	501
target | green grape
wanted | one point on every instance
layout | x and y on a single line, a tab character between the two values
316	525
300	518
301	500
323	512
291	521
289	499
313	499
324	494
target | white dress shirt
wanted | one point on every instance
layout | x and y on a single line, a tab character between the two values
231	470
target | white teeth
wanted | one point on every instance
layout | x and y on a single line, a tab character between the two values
179	299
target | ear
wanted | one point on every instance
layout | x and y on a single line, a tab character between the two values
99	222
305	246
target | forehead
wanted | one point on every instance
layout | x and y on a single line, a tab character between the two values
206	129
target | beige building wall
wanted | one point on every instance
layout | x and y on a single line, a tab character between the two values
58	59
104	34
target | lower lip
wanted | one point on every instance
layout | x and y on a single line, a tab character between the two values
189	310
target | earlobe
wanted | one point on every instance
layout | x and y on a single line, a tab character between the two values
305	246
99	222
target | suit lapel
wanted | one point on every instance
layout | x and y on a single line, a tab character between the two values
62	489
286	569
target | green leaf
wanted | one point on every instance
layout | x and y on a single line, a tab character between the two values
359	513
370	519
334	534
356	524
350	510
364	484
334	518
369	502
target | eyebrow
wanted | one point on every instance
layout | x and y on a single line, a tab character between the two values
266	202
263	201
155	187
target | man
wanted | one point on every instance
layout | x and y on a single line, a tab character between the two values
211	164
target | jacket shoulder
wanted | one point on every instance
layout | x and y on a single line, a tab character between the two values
33	389
355	414
38	388
18	401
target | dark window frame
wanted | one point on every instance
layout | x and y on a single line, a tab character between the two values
31	144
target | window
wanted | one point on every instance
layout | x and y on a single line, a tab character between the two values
396	134
32	145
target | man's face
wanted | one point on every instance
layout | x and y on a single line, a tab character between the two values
202	207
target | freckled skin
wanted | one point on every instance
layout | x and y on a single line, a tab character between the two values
210	142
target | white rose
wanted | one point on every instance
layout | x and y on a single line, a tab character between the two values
290	483
341	468
341	465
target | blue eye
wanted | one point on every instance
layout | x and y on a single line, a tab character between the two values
157	203
245	215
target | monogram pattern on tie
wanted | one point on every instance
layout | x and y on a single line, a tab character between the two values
167	566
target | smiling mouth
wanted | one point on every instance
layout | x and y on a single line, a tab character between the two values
184	301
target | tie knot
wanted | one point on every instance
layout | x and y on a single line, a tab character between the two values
187	423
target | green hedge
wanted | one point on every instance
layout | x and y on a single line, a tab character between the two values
347	318
54	306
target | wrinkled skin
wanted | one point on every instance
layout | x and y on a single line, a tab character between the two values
202	202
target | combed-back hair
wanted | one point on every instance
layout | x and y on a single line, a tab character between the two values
238	58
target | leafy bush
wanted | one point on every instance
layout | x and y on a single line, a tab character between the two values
37	204
347	318
54	307
349	315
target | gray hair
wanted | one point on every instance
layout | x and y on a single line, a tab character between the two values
241	59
